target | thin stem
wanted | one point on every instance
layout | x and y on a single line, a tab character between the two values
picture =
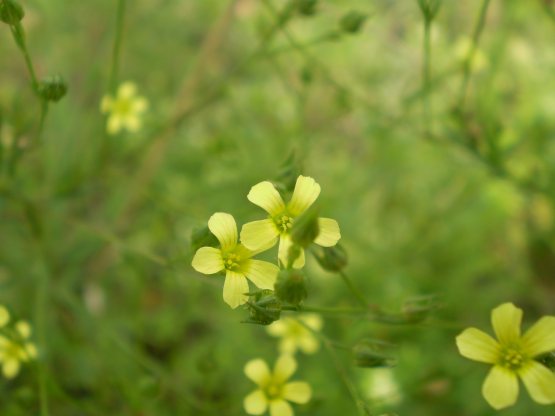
43	113
354	290
426	75
19	37
117	44
478	29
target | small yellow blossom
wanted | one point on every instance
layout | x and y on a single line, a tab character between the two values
4	316
274	391
294	335
125	110
235	259
513	356
16	349
282	216
463	49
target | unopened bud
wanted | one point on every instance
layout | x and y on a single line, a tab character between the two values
11	12
263	307
202	237
307	7
333	259
290	286
289	172
52	88
305	228
352	22
417	309
372	354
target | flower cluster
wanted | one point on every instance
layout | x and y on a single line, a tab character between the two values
15	347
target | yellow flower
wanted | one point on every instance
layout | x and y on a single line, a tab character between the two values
282	216
16	350
512	356
125	109
235	259
463	48
273	389
294	335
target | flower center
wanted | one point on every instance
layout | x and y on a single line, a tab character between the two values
231	261
511	358
283	222
12	351
273	390
122	106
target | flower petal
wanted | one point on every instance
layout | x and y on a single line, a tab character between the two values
297	392
208	260
280	408
285	244
308	343
540	338
256	403
127	90
106	104
266	196
10	368
329	232
506	320
313	320
277	328
288	345
132	123
140	105
284	368
223	226
305	193
257	370
478	346
4	316
500	388
262	273
258	234
24	329
114	124
539	381
235	287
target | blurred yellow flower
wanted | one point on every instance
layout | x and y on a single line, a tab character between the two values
4	316
512	356
274	391
235	259
282	216
16	349
125	110
463	49
294	335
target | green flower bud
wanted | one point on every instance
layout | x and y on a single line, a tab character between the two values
11	12
417	309
263	307
307	7
290	286
352	22
371	354
202	237
333	259
289	172
52	88
429	8
305	228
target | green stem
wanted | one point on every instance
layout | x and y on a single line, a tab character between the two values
43	113
19	37
426	76
117	44
478	29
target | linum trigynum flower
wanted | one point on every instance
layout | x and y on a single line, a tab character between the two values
282	217
125	110
235	260
512	356
273	389
294	335
14	345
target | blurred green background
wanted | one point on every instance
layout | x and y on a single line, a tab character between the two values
459	206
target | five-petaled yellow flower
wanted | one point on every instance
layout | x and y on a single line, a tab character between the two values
294	335
273	389
512	356
235	259
282	216
16	349
125	110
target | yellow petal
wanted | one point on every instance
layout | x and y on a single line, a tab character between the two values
208	260
106	104
288	345
506	320
262	273
540	338
266	196
284	368
4	316
223	226
257	234
235	287
297	392
280	408
500	388
277	328
10	368
257	370
127	90
256	403
23	328
478	346
329	232
308	343
313	320
140	105
285	244
305	193
132	123
539	381
114	124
